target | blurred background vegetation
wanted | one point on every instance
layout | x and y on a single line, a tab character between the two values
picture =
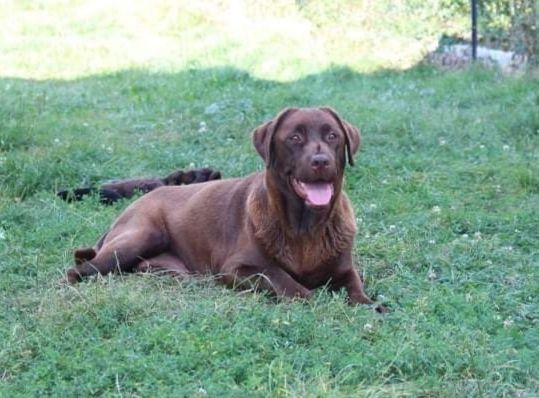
103	36
507	24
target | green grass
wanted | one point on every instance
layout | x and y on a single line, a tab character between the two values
446	193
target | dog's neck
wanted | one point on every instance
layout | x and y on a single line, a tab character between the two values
299	244
292	210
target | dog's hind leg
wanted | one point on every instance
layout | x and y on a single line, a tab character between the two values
84	254
122	252
164	263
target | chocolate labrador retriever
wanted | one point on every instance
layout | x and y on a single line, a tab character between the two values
288	229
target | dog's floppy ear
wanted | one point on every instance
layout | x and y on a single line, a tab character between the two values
263	135
351	133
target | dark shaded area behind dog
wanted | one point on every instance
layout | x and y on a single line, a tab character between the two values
112	191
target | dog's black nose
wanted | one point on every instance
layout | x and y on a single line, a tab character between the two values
319	161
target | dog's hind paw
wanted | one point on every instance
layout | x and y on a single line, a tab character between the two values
71	277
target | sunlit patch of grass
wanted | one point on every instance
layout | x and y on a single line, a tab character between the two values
281	41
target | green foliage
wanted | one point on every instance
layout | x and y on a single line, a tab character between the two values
509	24
445	191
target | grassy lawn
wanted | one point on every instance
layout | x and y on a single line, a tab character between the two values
445	189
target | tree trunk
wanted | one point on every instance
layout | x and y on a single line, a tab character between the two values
534	58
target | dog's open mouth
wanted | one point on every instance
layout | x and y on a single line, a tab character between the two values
315	194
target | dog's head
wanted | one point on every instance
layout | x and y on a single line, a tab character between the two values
305	150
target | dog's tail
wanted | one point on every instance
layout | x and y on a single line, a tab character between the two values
201	175
106	196
75	194
181	177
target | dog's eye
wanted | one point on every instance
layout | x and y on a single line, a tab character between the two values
331	136
295	139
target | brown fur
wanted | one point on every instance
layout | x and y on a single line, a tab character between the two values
253	231
298	252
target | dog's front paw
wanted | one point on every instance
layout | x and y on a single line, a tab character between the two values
381	309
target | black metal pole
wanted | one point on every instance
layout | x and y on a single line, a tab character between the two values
474	30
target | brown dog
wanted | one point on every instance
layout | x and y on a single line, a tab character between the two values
288	229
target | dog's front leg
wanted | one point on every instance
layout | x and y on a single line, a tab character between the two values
272	278
351	281
345	275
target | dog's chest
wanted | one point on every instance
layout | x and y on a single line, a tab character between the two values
303	255
310	255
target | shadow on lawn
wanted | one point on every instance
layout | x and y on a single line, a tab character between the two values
58	133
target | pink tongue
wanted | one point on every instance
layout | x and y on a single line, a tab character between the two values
319	194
